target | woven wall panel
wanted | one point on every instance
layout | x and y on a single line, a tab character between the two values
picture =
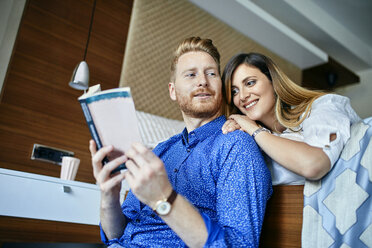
156	28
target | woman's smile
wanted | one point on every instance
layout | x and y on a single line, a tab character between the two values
250	104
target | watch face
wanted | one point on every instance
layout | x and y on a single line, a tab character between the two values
163	208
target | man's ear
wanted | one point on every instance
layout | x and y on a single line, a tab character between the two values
172	91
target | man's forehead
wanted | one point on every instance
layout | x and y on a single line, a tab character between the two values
195	55
196	59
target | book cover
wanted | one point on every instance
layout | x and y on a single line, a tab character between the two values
111	118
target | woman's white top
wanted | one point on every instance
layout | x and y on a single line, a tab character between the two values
329	114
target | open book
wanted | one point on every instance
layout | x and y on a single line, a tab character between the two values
111	118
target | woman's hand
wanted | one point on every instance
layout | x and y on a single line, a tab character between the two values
241	122
230	126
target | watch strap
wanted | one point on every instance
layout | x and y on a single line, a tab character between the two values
172	197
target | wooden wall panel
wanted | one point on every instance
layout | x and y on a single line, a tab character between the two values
29	230
37	105
328	76
107	44
69	136
283	219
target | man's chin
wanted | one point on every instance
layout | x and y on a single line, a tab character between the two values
203	115
200	109
204	112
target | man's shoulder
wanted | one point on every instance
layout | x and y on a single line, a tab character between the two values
167	143
235	138
233	143
239	152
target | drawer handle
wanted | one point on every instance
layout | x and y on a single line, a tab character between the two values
66	189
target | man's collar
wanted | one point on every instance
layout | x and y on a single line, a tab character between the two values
203	132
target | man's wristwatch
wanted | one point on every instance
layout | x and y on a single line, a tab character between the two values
163	207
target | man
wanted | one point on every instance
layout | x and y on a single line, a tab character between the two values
200	187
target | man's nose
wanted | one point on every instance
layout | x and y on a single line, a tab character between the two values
202	80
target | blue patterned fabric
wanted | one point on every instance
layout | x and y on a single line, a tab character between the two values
338	208
223	176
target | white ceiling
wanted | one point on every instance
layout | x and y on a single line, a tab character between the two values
304	32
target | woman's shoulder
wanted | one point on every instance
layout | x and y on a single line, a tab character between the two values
334	106
331	99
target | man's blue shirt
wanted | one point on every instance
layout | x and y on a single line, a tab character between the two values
223	176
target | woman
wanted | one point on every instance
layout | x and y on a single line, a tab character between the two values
302	131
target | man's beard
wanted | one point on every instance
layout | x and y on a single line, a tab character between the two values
200	109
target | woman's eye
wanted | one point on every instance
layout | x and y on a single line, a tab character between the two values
211	74
234	92
250	82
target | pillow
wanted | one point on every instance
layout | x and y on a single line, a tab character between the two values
155	129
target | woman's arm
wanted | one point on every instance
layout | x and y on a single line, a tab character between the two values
299	157
305	160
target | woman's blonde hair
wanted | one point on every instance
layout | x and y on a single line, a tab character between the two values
293	102
195	44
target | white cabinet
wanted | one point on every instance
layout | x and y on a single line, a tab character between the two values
35	196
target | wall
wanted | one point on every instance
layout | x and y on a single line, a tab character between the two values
37	105
156	28
10	17
360	94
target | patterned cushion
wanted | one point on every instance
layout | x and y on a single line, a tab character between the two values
338	208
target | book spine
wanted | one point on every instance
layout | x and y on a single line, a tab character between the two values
92	127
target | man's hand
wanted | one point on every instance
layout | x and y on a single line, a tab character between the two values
110	185
146	175
112	219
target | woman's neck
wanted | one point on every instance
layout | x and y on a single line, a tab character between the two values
272	123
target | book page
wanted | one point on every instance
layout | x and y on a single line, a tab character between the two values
116	123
